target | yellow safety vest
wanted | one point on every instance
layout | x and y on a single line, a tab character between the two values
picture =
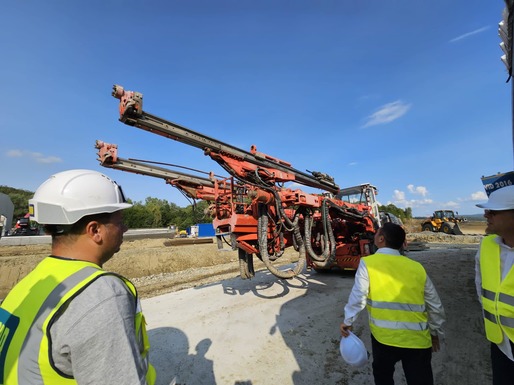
28	312
497	295
396	301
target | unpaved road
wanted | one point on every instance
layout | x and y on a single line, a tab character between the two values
267	331
207	326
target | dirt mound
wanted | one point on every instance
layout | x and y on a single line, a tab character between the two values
430	237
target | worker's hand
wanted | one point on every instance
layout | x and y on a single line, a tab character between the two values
435	343
345	330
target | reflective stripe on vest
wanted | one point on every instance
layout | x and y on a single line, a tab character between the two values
396	303
398	324
35	301
497	295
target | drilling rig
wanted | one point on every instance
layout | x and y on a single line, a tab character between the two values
252	210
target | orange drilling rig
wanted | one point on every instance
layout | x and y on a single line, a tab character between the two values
251	209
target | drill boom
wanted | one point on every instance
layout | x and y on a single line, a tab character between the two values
132	114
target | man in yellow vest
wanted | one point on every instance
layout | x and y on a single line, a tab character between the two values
495	277
69	321
405	312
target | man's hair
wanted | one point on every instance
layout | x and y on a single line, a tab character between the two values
78	227
394	235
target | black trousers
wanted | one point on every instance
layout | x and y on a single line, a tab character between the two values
416	364
503	367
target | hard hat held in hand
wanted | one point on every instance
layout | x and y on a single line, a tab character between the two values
353	351
70	195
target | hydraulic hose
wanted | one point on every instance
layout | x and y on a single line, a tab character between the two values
329	242
262	230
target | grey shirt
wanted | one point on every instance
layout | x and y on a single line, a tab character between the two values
94	340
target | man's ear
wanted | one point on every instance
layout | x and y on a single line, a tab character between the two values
94	230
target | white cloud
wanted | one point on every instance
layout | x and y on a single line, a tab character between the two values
399	199
38	157
387	113
420	190
398	195
407	198
412	203
450	205
47	159
352	164
402	200
466	35
14	154
479	196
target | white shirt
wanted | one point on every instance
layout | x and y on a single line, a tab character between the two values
506	263
360	291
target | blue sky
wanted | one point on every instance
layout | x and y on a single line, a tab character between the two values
408	95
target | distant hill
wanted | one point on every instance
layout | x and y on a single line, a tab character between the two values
20	199
472	217
475	217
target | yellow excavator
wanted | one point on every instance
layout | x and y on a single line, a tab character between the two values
444	221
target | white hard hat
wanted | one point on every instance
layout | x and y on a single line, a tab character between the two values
353	350
68	196
500	199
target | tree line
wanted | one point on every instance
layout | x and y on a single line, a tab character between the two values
403	214
152	213
158	213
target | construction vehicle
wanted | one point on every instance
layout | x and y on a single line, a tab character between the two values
364	194
252	210
444	221
226	197
390	217
24	226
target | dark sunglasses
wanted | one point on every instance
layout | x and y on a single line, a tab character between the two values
494	212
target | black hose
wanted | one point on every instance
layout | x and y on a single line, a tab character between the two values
329	242
262	231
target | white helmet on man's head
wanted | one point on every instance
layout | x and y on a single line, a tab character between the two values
68	196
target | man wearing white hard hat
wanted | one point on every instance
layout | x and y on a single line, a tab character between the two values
69	321
404	310
495	275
